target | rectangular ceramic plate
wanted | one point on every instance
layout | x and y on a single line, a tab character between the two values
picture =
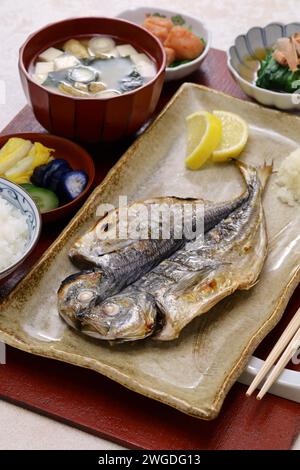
195	372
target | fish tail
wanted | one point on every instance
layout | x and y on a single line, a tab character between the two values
264	172
250	173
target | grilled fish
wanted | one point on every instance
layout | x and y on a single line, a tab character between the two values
121	262
191	281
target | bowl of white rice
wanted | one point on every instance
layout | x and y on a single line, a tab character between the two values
20	225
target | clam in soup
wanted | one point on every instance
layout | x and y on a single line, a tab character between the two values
97	67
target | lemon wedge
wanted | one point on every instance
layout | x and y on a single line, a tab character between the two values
234	136
204	131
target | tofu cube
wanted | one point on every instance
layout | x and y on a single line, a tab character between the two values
144	65
139	58
126	50
43	68
49	55
65	61
40	78
146	70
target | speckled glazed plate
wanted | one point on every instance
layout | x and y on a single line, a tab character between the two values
195	372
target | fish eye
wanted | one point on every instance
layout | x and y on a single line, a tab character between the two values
111	309
85	296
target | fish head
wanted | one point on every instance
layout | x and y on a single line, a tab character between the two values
78	292
124	317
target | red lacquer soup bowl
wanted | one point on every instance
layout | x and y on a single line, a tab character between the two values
92	120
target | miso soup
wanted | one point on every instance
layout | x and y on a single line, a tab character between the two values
96	67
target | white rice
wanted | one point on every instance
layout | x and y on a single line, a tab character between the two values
13	234
288	179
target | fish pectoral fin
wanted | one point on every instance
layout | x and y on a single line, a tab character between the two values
249	286
192	278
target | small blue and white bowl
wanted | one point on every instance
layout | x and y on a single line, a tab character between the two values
246	45
20	199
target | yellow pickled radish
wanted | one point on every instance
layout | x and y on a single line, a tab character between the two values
40	153
23	166
204	131
21	179
12	152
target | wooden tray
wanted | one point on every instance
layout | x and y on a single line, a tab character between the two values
214	439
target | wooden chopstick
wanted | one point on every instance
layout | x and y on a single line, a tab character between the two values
286	356
279	347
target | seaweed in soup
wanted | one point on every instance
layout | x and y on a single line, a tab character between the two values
132	81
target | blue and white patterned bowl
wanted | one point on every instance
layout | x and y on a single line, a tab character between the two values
246	45
19	198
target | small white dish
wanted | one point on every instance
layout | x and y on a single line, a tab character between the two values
138	15
286	386
246	45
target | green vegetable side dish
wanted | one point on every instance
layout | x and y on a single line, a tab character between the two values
273	76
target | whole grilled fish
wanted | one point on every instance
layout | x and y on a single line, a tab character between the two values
118	263
192	280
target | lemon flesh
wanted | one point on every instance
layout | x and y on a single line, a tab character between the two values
234	136
204	131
